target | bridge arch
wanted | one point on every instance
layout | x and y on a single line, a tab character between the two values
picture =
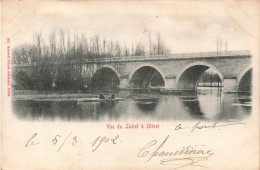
105	78
112	68
242	73
244	80
147	74
190	74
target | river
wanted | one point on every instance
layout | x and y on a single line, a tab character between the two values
207	104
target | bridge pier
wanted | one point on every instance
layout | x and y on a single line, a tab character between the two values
124	83
230	85
170	83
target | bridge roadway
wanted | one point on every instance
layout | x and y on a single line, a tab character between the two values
173	72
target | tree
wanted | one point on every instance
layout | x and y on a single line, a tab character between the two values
68	79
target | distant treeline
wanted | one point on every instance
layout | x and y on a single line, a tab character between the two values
64	47
209	79
61	45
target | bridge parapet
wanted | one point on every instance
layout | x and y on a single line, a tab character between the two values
211	54
173	56
150	57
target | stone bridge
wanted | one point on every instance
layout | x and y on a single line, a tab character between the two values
174	72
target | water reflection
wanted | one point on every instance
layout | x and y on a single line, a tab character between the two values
192	105
147	108
207	103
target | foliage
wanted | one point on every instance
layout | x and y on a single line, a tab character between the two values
62	47
68	79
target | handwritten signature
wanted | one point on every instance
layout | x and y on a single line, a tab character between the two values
187	156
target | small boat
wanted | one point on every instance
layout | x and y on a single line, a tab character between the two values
98	100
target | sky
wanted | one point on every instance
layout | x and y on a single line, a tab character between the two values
185	27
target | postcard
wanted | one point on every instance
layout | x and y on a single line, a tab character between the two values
130	85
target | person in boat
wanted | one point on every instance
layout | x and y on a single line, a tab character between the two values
113	96
101	96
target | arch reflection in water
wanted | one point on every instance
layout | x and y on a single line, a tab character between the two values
205	104
192	105
147	104
245	102
210	101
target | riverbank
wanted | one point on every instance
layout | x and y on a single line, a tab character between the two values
52	96
133	93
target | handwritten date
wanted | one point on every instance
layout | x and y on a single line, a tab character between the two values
97	142
60	140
